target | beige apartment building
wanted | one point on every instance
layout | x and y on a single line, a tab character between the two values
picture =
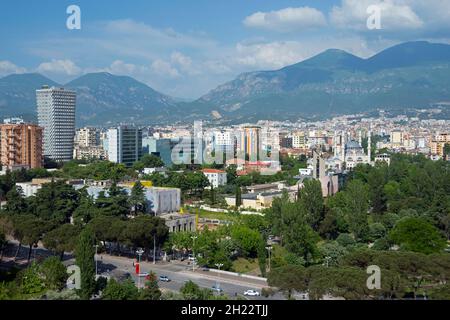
437	145
21	145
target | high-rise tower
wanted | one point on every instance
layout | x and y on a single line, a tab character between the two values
56	114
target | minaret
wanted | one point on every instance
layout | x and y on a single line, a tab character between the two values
343	146
360	137
369	146
335	144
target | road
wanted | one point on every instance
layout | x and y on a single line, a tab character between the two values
178	272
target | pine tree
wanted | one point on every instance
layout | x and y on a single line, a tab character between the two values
238	196
137	198
85	261
213	195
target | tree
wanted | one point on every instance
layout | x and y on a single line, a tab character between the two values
231	174
144	232
55	201
191	291
16	203
311	200
288	279
137	199
30	230
30	280
148	161
120	291
84	255
446	151
418	235
238	196
3	243
212	194
54	273
376	180
332	252
151	290
115	204
62	239
86	210
356	197
262	257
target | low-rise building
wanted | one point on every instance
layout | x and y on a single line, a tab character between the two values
159	200
215	177
260	201
177	222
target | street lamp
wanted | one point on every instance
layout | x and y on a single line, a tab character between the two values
95	257
154	248
270	255
193	251
219	265
139	252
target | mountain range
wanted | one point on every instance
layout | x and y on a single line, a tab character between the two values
408	75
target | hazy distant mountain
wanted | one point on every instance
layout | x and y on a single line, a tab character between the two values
18	94
409	75
102	98
414	74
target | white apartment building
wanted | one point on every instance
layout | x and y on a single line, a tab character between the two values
215	177
56	114
299	140
87	137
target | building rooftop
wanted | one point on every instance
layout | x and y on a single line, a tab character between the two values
212	171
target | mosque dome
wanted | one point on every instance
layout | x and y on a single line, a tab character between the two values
352	145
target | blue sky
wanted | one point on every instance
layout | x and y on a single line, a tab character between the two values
186	48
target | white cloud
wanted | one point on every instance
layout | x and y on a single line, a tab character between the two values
271	55
7	67
396	15
287	20
279	54
59	67
164	68
119	67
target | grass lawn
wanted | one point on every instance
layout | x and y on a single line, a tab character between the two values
247	266
214	215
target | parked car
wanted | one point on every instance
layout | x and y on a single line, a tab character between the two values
252	293
144	274
164	279
217	289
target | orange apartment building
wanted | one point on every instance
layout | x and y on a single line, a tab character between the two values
21	145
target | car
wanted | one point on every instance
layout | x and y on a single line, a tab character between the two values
205	268
164	279
217	289
252	293
191	258
144	274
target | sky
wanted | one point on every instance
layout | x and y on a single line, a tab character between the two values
186	48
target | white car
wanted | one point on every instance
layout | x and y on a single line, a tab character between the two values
252	293
143	274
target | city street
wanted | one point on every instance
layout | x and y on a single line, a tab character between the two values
178	272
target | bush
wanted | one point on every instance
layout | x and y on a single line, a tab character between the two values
376	231
346	240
